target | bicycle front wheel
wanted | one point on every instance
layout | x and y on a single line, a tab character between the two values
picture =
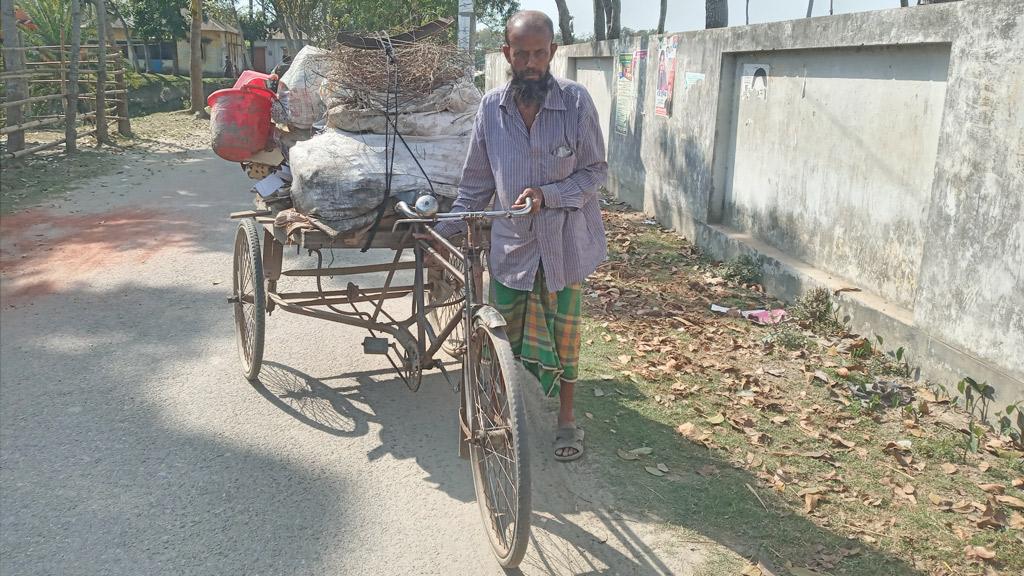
496	411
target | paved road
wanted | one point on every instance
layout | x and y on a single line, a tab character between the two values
130	444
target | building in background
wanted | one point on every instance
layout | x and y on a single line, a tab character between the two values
220	43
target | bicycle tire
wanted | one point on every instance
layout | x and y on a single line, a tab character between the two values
249	298
491	352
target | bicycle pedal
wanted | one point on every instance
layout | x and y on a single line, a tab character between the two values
375	345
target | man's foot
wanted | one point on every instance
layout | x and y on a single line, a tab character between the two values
568	443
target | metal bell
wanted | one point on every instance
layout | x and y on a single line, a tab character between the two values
426	206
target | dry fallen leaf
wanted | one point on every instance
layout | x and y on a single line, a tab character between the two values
811	502
813	490
992	488
1018	482
653	471
716	419
1011	501
642	451
984	466
624	359
820	375
949	468
588	415
686	429
979	553
842	372
1016	521
627	455
780	420
662	467
598	392
839	442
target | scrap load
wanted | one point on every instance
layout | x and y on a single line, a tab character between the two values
321	142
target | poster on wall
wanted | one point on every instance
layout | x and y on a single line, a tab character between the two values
625	95
666	76
692	79
754	83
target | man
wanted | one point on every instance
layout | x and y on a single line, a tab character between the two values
539	137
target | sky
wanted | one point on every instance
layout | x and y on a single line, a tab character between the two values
686	15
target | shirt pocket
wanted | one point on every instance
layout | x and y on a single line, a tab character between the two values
558	167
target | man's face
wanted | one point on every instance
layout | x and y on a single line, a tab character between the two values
529	52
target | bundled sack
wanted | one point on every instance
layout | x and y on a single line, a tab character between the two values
299	88
448	110
340	177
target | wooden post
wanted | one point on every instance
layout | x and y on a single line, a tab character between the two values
63	71
101	72
70	133
124	126
14	62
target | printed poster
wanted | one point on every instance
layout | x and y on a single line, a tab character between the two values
666	76
625	94
754	83
692	79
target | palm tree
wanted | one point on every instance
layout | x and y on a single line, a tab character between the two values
661	16
195	69
564	22
716	13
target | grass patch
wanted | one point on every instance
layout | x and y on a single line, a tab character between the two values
797	450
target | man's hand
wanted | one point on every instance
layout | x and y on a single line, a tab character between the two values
538	200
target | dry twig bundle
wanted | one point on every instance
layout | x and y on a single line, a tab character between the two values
359	79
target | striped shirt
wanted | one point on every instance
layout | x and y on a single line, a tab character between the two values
563	155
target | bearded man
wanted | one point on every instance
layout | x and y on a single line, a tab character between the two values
539	137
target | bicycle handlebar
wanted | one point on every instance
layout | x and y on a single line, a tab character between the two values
404	208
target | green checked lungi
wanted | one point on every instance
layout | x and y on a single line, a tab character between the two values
544	329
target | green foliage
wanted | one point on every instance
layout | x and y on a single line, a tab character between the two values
53	19
1010	425
157	19
744	269
816	311
977	397
256	26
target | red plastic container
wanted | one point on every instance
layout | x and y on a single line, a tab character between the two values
253	79
240	121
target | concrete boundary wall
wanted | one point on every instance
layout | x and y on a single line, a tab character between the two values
887	154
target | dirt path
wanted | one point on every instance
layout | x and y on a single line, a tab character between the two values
130	444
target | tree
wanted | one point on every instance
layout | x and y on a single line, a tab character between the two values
748	13
600	27
810	7
661	16
14	62
716	13
195	68
564	22
116	11
614	10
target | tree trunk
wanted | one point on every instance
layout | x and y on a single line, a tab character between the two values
904	3
71	115
661	16
127	34
564	22
246	62
101	72
615	25
195	68
145	54
810	7
599	22
14	61
716	13
748	13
